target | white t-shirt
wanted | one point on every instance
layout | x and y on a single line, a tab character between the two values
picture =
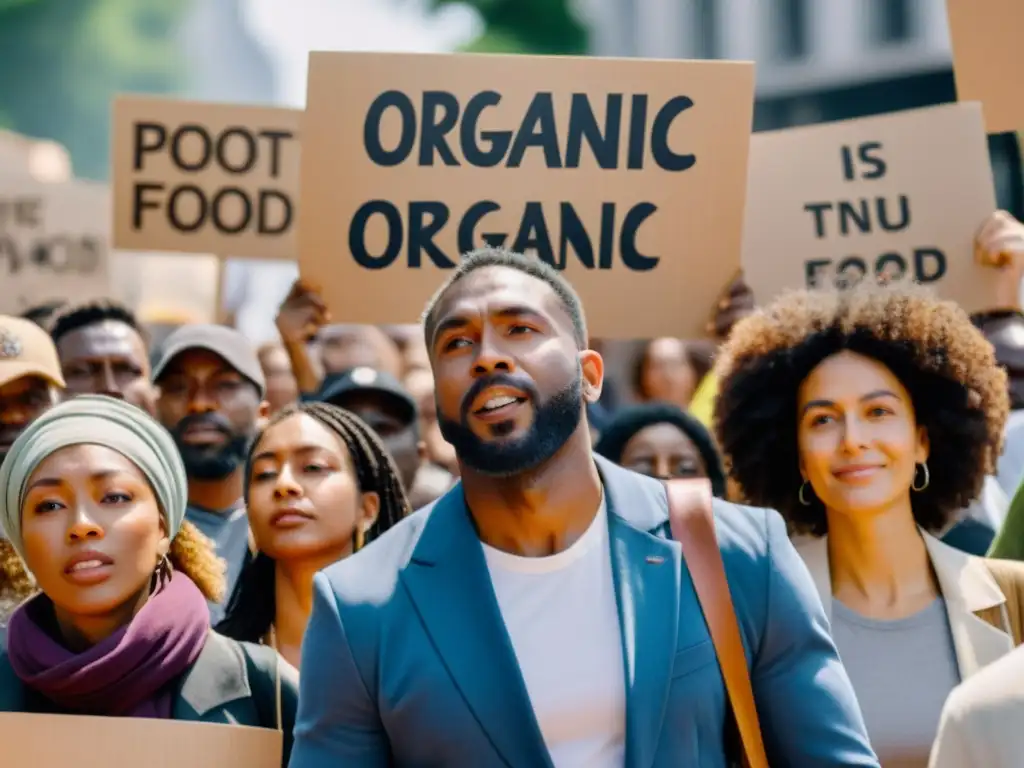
561	616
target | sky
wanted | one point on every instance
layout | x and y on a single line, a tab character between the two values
290	29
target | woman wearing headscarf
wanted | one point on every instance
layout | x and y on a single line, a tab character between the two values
92	497
319	486
661	440
868	418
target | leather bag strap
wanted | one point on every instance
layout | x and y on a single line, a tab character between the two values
693	526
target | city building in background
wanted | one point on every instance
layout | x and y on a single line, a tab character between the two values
817	60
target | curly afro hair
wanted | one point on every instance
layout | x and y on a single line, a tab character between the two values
949	369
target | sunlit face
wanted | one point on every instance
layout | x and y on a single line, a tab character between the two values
106	358
667	374
663	450
304	496
22	401
858	437
93	532
510	383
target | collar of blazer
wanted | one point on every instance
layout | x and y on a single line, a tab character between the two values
967	586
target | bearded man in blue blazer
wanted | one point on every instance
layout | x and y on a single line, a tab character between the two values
539	614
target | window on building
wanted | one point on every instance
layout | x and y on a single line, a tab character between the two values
791	25
892	21
706	28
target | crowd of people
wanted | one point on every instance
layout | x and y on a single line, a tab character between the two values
452	544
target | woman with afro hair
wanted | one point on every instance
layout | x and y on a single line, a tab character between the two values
869	418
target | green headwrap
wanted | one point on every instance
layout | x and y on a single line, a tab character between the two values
94	420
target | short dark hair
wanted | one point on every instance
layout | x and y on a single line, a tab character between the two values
41	314
632	419
72	318
958	391
534	267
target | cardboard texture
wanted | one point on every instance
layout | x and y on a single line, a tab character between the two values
896	195
986	58
54	242
386	211
164	287
58	741
196	177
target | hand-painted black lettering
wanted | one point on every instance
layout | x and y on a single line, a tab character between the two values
884	214
10	255
856	213
276	137
603	143
813	273
357	234
661	152
870	154
850	271
225	199
533	233
847	156
637	133
224	154
140	203
930	264
372	129
538	130
466	236
574	233
267	223
628	251
498	141
426	219
205	143
890	267
436	127
818	210
149	138
179	199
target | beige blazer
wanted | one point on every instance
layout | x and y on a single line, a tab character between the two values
967	586
982	723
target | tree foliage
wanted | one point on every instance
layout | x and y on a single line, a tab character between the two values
64	60
526	26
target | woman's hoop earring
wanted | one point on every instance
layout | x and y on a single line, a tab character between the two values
360	538
802	496
927	477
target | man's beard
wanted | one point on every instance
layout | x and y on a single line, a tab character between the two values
211	462
554	421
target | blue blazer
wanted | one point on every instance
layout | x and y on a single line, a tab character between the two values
406	661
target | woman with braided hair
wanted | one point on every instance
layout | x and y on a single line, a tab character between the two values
320	486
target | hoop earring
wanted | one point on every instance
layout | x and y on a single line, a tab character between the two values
163	572
927	478
360	538
801	496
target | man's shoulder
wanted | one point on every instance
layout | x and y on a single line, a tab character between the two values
373	572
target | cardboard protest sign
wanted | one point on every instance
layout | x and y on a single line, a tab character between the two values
986	58
628	174
54	242
205	178
55	741
831	204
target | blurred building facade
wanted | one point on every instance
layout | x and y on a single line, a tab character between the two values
817	60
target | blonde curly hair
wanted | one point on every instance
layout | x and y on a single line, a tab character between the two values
195	555
958	390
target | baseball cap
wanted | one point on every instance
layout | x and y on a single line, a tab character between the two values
337	386
27	350
225	342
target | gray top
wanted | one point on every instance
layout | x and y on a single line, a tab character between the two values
902	671
230	532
